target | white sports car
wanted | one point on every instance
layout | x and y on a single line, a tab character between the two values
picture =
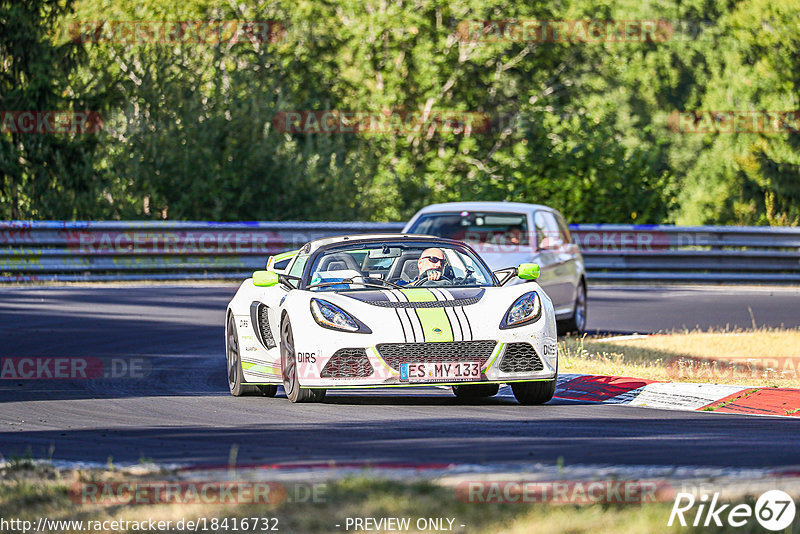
390	311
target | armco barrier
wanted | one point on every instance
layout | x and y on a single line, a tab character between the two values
752	254
152	250
144	250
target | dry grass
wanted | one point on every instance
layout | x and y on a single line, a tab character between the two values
762	357
30	493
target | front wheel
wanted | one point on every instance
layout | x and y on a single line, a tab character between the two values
291	384
529	393
233	357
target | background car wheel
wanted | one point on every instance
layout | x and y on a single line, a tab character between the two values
268	390
475	391
291	384
235	373
534	392
576	323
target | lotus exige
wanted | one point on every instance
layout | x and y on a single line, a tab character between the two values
390	311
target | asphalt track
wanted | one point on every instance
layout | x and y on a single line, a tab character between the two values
182	412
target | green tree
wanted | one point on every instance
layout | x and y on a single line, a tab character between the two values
581	126
43	175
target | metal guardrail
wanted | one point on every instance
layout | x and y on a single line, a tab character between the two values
752	254
145	250
153	250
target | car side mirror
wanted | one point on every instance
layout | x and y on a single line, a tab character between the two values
265	278
528	271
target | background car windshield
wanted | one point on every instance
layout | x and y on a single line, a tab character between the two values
476	227
394	262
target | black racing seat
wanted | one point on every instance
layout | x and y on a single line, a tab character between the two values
404	266
338	262
410	270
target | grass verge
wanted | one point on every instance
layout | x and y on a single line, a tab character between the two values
30	492
761	357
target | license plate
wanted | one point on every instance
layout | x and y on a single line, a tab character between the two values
439	372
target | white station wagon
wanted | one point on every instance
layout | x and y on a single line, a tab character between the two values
509	233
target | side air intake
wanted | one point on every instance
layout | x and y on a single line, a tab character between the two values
260	320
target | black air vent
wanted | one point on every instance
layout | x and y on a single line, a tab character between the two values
259	318
520	358
347	363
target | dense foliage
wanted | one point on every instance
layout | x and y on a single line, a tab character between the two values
189	129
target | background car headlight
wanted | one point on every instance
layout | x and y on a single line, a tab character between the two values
331	316
525	309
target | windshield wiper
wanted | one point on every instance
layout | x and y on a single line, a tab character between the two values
392	284
366	281
325	284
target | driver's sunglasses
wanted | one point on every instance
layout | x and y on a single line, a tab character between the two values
432	259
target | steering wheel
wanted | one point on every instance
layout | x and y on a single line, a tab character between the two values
423	280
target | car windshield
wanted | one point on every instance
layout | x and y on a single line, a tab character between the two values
472	227
397	264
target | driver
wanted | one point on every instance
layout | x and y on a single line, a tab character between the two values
430	265
431	262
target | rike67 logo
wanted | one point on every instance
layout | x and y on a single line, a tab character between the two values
774	510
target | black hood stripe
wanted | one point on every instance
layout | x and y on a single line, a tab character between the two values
406	314
401	317
473	294
466	321
369	295
413	320
464	292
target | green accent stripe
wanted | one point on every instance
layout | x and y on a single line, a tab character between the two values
377	356
247	366
285	255
432	319
497	350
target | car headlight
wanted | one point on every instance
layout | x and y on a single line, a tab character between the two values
526	309
329	315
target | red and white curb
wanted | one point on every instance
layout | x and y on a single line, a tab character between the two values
715	398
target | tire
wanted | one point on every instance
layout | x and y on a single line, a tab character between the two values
291	383
530	393
476	391
576	323
234	362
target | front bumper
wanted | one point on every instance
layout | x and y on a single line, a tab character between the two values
458	333
380	365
